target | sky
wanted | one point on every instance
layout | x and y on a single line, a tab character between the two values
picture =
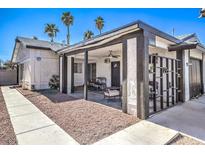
31	22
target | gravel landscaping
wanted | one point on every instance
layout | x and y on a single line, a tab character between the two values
86	121
185	140
7	135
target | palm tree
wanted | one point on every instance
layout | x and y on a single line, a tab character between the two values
51	30
88	35
202	13
67	19
99	22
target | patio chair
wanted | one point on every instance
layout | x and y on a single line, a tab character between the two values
112	93
100	83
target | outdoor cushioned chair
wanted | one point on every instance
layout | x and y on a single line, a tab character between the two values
112	93
99	83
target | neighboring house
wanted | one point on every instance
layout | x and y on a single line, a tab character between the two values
154	69
37	62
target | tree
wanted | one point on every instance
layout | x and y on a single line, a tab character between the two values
202	13
35	38
88	35
9	65
1	63
67	20
51	30
99	23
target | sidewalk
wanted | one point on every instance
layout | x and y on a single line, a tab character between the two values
30	125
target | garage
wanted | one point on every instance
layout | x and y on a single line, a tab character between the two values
195	74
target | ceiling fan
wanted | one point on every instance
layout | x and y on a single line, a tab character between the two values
110	55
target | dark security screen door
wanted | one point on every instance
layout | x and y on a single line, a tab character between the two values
115	74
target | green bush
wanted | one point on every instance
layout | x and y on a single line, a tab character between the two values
54	82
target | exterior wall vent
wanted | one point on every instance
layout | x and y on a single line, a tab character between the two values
107	60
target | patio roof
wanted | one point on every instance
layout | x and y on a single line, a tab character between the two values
117	33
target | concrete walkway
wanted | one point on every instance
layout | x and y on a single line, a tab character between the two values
142	133
188	118
30	125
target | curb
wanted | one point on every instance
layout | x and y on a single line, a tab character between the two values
172	139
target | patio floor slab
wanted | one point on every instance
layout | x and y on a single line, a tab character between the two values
31	126
142	133
187	118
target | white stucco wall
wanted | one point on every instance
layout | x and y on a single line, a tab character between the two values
102	70
132	76
42	70
37	73
162	52
23	54
186	76
196	54
23	57
78	77
26	81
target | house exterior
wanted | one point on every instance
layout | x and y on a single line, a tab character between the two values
154	69
37	61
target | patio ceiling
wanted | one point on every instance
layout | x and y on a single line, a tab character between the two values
102	52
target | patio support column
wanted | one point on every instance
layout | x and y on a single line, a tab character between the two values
124	76
86	75
142	75
183	56
64	74
72	74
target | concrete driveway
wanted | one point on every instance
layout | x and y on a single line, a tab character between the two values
188	118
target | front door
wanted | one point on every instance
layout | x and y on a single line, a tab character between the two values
115	74
195	78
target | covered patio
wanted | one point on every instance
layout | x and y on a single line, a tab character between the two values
121	59
104	75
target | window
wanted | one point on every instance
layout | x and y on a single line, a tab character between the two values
77	67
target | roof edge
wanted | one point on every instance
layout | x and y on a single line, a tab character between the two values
139	23
16	41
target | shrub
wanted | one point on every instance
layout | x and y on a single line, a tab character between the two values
54	82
